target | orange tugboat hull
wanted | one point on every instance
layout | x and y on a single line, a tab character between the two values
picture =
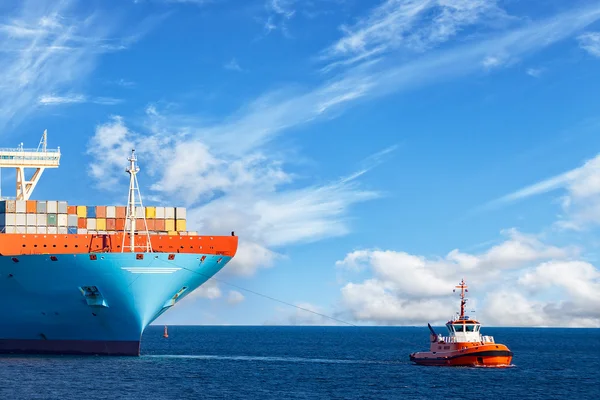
477	356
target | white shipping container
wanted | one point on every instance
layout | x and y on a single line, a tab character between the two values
31	229
169	212
20	229
31	219
63	230
62	220
72	220
52	230
182	233
102	233
180	213
21	219
21	206
162	233
81	231
10	229
52	207
8	219
41	229
62	207
140	212
111	212
91	223
41	220
91	232
160	213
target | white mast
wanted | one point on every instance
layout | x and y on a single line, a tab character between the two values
134	187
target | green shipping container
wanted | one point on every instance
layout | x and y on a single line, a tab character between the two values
51	220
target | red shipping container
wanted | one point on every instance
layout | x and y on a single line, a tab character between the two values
121	212
159	225
71	210
120	224
82	223
111	224
100	211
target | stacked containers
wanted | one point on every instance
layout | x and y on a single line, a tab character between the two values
57	217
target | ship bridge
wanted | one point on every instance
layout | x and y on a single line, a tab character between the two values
21	159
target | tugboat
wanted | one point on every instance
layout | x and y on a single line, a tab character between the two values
465	346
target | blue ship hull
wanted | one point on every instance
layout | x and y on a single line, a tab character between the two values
73	304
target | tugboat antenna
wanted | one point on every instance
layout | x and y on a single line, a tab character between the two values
463	288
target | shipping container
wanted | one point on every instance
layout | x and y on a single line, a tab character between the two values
180	225
8	219
51	207
100	211
121	212
160	213
10	229
82	211
182	233
20	206
63	230
169	224
72	210
111	212
62	220
172	233
41	207
62	207
52	230
31	219
41	229
159	224
21	219
101	223
102	233
8	206
139	212
28	229
180	213
150	212
169	212
111	223
31	206
91	223
51	220
72	220
151	224
81	231
120	224
91	212
92	232
41	219
139	225
71	230
82	223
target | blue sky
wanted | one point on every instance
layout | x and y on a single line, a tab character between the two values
368	154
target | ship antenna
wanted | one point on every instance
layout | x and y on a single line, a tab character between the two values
463	288
134	187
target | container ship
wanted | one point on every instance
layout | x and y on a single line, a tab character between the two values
88	279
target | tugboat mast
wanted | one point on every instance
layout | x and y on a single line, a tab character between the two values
463	288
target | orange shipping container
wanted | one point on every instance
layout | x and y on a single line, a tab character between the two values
121	212
151	224
71	210
100	211
82	223
159	225
111	224
31	206
120	224
139	224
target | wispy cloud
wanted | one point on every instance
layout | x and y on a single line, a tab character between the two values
534	72
76	98
48	47
233	65
590	42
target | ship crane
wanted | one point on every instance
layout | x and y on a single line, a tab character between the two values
20	159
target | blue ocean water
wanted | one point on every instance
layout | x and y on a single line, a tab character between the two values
310	363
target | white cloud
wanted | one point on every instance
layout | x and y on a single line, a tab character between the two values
402	288
534	72
590	42
581	194
233	65
209	290
235	297
47	47
50	99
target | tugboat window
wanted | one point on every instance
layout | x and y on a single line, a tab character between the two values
470	327
459	328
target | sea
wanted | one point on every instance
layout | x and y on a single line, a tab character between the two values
290	362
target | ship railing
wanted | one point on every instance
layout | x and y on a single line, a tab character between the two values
488	339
